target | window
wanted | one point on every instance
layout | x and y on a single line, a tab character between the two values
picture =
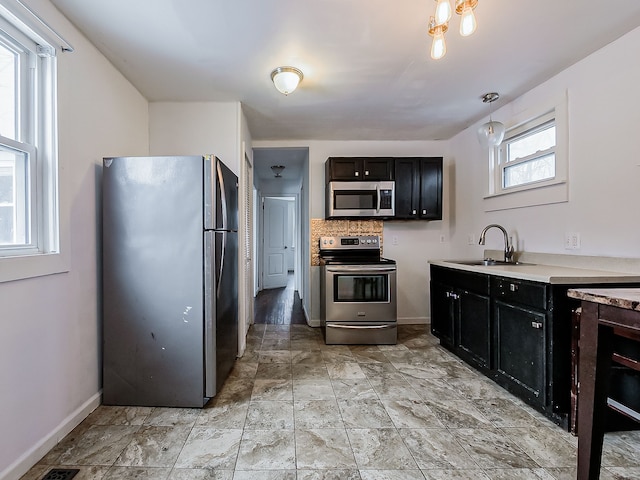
530	166
527	155
28	144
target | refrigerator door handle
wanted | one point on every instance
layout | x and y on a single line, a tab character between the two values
223	249
209	316
223	196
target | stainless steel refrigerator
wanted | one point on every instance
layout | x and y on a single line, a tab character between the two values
170	279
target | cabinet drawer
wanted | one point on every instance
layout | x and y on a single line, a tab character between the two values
475	282
512	290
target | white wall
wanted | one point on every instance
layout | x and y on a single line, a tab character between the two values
50	375
197	128
604	164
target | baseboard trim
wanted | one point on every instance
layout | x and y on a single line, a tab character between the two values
414	320
40	449
401	321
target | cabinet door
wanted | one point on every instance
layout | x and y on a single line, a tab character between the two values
442	312
473	332
343	169
430	207
407	187
378	168
521	350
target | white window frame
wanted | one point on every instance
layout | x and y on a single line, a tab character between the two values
553	190
37	138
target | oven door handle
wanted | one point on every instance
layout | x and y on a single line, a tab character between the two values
360	269
361	327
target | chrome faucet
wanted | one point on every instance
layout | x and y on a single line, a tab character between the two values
508	249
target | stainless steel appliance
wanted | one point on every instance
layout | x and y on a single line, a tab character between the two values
358	291
170	333
360	199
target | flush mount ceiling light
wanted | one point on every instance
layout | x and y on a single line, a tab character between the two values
491	133
286	79
439	23
277	170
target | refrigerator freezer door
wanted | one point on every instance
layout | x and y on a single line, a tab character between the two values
153	287
226	198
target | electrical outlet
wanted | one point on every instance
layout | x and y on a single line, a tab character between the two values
575	240
442	238
394	240
471	239
567	241
572	240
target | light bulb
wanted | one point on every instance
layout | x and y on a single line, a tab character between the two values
491	134
438	47
468	22
443	12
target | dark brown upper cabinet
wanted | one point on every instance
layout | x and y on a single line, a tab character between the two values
358	169
418	191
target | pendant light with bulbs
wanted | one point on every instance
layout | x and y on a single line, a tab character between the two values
439	23
491	134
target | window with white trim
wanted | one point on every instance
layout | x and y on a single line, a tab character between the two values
527	157
28	163
530	166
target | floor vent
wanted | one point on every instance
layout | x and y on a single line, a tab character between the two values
61	474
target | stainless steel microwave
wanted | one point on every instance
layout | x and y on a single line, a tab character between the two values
360	199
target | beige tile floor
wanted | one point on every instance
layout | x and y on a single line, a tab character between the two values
295	408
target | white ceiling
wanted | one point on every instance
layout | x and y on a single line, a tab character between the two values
368	74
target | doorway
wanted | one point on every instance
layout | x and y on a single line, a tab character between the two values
281	234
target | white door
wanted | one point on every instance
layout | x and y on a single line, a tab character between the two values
276	212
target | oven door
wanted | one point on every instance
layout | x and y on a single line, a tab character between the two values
360	293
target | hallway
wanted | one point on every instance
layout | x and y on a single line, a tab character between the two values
279	306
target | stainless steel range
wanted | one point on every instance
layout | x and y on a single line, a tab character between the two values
357	291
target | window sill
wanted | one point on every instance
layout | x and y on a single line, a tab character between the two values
542	195
31	266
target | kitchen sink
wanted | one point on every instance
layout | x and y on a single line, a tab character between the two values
487	262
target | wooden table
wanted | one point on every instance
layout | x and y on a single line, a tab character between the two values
605	313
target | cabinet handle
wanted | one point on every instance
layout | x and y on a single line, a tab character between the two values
536	325
366	173
413	212
424	212
513	287
357	174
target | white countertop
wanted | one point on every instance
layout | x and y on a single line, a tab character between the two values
545	273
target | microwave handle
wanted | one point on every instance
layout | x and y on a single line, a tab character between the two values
378	196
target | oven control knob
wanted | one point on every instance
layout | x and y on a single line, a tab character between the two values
330	242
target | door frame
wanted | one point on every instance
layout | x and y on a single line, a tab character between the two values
259	263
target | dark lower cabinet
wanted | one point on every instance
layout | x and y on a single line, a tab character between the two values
516	332
442	312
520	339
460	314
474	328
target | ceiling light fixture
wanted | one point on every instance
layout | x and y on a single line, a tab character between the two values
439	23
437	31
286	79
490	134
277	170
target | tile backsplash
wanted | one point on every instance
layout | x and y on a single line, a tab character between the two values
321	227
